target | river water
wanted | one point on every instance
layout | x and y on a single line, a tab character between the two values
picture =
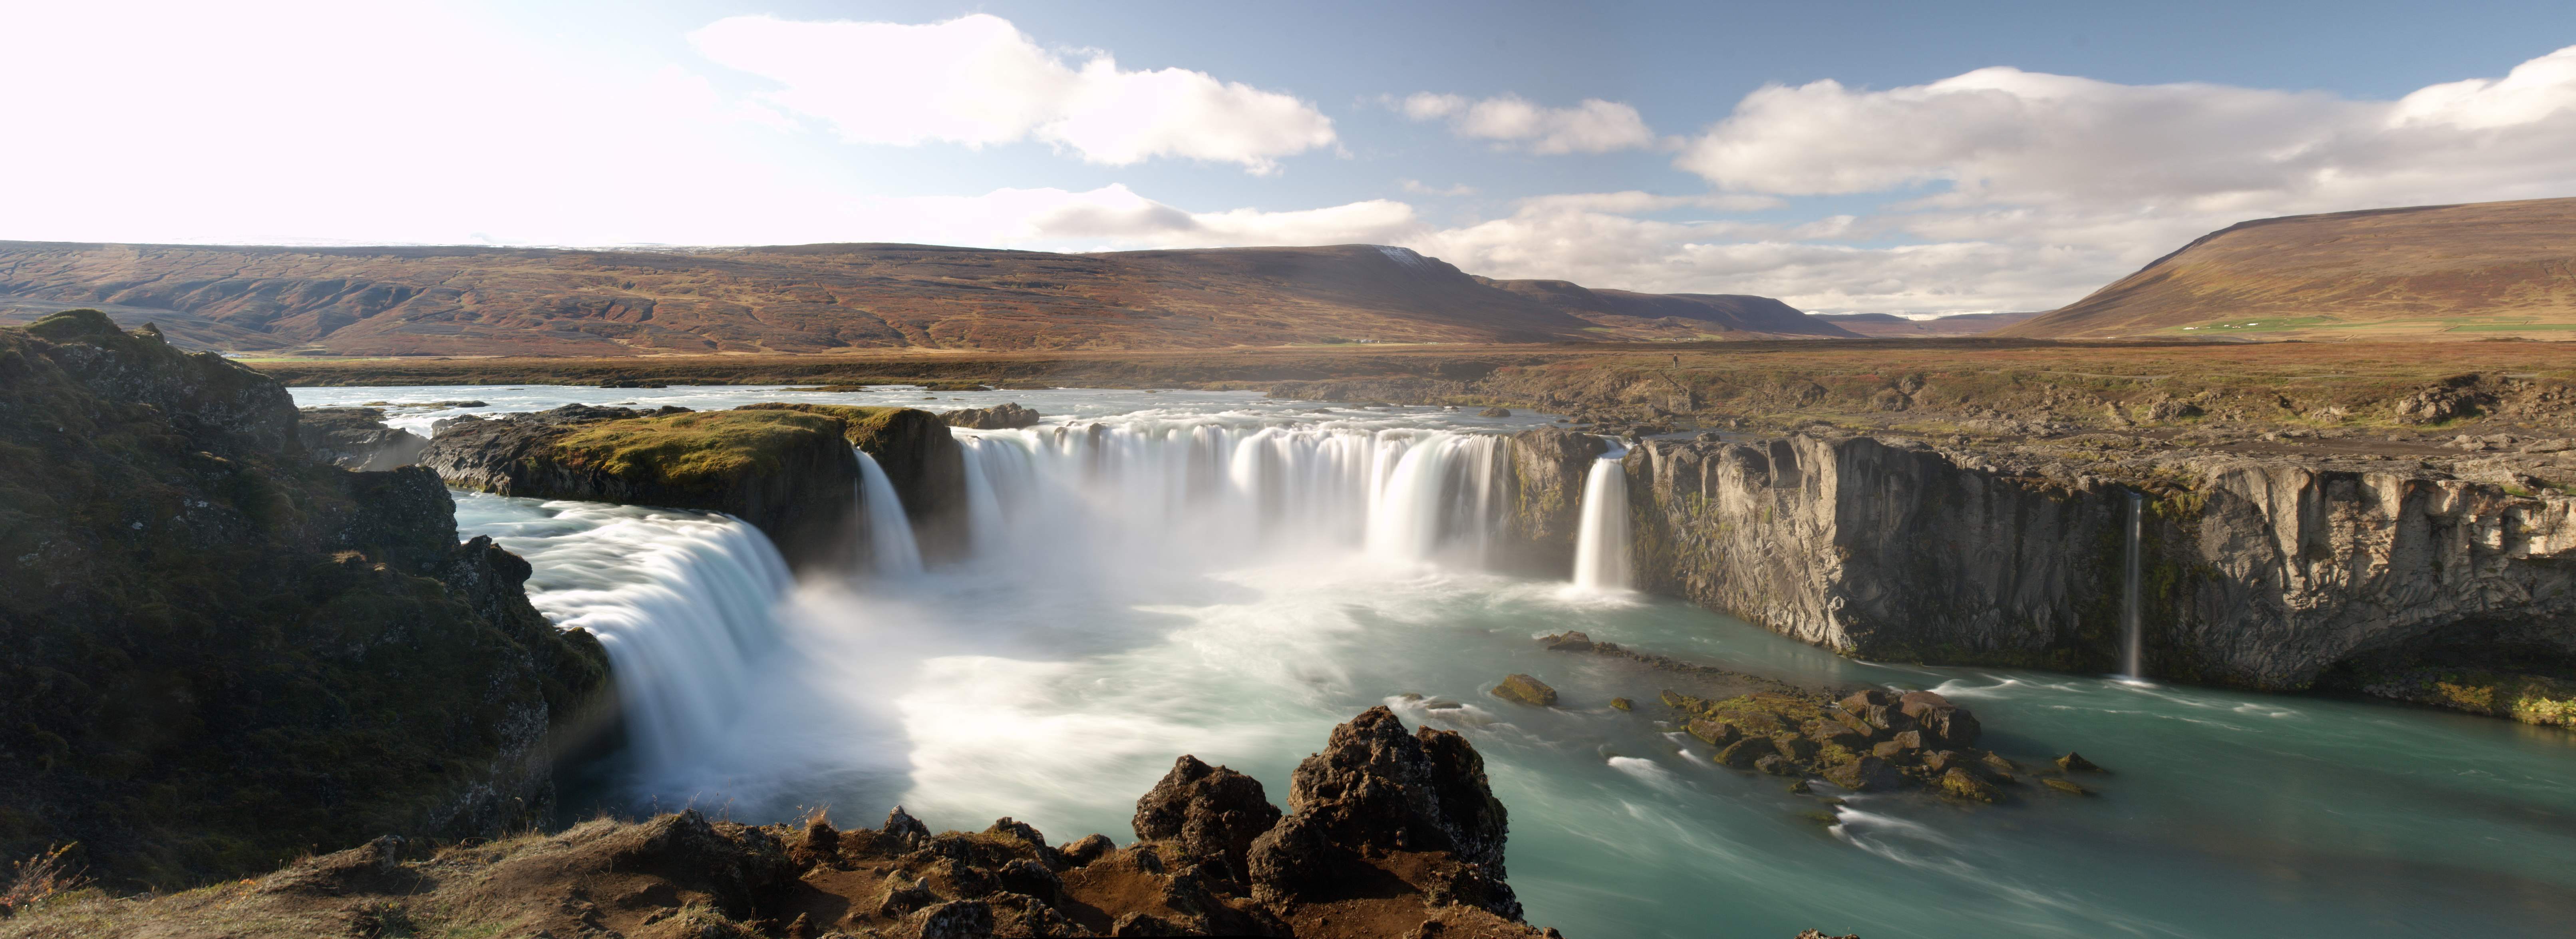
1226	576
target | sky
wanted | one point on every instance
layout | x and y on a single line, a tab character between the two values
1843	156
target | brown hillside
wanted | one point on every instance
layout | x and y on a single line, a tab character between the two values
802	299
1631	315
2468	271
1890	326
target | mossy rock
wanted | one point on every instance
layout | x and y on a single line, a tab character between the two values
1959	783
1623	704
1527	690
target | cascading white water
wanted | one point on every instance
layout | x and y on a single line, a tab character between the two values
2132	625
684	602
1217	489
1601	542
892	552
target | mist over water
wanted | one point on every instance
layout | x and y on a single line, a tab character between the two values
1226	576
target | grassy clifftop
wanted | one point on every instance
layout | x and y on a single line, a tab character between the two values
709	449
219	654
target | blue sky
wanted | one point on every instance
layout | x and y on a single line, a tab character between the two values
1844	156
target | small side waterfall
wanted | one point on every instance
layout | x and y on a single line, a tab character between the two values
1601	543
2132	625
891	548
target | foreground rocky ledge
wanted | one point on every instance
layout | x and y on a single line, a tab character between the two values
1390	834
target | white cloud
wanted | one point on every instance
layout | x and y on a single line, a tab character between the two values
1592	126
978	81
1418	186
2005	136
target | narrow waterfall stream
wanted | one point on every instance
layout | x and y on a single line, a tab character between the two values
1152	574
892	550
2132	616
1601	544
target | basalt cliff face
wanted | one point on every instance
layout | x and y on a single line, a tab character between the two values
217	651
2256	572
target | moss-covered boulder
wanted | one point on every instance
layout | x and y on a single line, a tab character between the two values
790	473
1523	689
217	653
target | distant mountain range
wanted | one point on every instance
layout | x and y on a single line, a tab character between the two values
2485	269
821	298
1890	326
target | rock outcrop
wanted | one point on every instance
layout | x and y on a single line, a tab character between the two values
220	652
919	457
789	473
2254	572
998	417
357	438
1546	503
1395	834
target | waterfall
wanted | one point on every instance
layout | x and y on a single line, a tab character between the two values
1209	489
2132	625
1601	543
684	602
1440	490
891	549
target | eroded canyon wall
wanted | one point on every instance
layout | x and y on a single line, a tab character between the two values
2262	573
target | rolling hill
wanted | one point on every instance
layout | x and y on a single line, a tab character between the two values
823	298
2459	271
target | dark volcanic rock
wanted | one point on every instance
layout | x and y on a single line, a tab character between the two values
1211	813
1377	789
998	417
229	652
1435	872
1546	501
357	438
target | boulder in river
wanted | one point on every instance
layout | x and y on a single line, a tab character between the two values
1953	724
1959	783
1495	412
2074	762
1526	690
1004	416
1864	774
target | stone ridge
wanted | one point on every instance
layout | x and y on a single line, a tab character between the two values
222	652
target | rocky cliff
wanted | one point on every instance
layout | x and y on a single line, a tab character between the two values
920	458
2255	572
790	474
216	651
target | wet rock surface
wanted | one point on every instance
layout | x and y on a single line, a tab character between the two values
1393	833
357	438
